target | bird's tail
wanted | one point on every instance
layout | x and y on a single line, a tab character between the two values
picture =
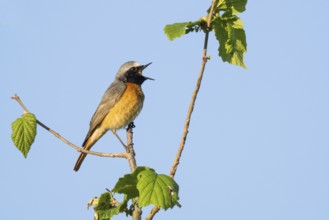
87	144
79	161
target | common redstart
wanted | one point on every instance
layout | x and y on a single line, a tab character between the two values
120	105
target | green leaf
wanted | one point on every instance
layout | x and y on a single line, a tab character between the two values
104	201
150	187
232	6
108	213
128	183
179	29
104	209
157	189
175	30
231	37
24	130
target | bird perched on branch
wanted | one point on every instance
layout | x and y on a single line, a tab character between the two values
120	105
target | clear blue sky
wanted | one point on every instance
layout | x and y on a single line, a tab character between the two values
258	145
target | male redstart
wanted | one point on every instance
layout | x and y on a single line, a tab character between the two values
120	105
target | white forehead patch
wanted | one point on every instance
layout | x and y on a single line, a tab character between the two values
126	66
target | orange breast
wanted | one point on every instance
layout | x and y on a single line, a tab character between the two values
127	108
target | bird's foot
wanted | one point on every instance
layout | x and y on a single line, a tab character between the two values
131	125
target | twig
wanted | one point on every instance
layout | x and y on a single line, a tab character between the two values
129	154
79	149
194	96
137	213
130	150
152	213
16	97
191	107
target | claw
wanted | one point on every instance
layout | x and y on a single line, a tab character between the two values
131	125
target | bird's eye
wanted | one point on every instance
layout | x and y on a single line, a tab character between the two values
134	69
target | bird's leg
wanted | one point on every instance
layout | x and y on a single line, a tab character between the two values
115	134
130	126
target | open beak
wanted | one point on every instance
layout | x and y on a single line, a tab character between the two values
143	67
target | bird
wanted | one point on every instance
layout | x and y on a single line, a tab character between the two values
119	106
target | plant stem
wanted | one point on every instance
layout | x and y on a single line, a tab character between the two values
191	107
130	150
129	154
194	95
79	149
137	213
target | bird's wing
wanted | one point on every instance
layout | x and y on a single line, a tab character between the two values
109	99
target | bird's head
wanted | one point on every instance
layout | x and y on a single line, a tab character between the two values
131	71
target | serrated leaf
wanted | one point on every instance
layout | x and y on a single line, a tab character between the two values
157	189
232	39
104	201
24	130
175	30
128	183
150	187
232	6
108	214
179	29
104	208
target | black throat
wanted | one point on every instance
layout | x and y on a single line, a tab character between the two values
133	77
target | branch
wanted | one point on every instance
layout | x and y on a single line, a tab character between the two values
130	148
79	149
191	107
129	154
194	95
154	211
137	213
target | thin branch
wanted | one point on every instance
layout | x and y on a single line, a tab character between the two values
137	213
129	154
191	107
152	213
16	97
130	150
194	96
79	149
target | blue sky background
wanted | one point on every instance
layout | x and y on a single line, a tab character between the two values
258	142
